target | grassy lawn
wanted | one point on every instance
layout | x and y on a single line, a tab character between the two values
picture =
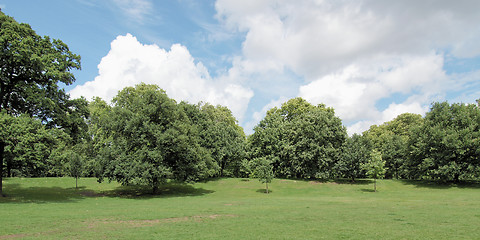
51	208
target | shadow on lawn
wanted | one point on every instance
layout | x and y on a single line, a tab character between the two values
441	185
356	182
15	193
262	190
367	190
165	191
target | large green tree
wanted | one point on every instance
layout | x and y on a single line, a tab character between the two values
447	145
31	149
97	138
355	152
31	69
152	141
223	137
301	140
391	139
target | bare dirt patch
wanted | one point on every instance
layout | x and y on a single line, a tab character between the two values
13	236
25	235
152	222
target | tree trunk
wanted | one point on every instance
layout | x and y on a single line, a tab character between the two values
456	178
266	184
76	183
375	185
154	185
9	169
2	152
222	166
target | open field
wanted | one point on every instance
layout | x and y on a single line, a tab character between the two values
49	208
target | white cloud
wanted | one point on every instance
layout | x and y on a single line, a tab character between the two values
316	37
129	63
353	54
355	90
388	114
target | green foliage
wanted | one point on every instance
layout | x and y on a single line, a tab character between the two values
75	165
302	140
151	140
391	139
32	66
375	167
31	69
355	152
263	171
447	147
98	138
220	134
30	147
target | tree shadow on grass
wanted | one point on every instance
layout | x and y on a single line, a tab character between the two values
356	182
169	190
441	184
367	190
15	193
262	190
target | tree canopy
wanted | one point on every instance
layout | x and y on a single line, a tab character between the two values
152	140
301	140
447	145
31	69
355	152
391	139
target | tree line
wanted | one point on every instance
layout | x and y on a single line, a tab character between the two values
144	137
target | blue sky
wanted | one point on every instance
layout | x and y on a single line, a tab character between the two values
370	60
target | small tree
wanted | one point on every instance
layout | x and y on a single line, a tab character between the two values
74	166
263	171
375	167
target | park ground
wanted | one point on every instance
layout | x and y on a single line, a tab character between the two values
51	208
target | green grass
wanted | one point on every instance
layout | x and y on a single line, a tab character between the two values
51	208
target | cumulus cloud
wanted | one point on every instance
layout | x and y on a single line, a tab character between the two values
129	63
355	90
354	54
388	114
314	37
